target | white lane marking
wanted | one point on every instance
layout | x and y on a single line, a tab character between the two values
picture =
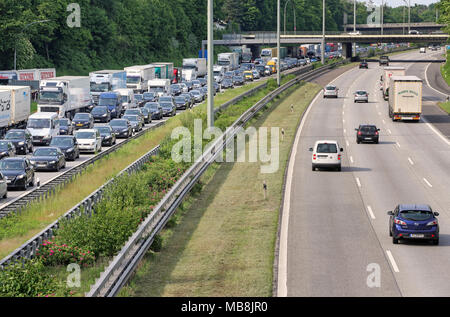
345	131
438	133
376	105
351	159
343	120
389	131
384	121
282	258
428	83
392	260
398	144
348	143
343	112
369	209
426	181
410	161
379	113
358	182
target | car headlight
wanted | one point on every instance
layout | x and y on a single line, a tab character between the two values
124	130
69	150
104	115
21	143
21	176
52	162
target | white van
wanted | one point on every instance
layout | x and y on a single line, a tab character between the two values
43	126
422	50
126	97
326	154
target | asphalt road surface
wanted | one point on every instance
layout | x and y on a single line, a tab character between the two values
337	238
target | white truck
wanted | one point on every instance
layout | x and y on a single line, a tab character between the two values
230	61
193	68
138	77
65	95
388	72
105	81
163	70
15	104
219	72
36	74
159	86
405	98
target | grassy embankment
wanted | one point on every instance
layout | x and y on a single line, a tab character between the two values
445	71
224	240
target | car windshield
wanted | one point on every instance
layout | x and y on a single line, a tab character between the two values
326	148
330	88
85	135
180	99
166	105
165	99
62	142
416	215
99	110
118	123
195	92
368	129
45	152
361	93
139	97
196	82
4	146
11	135
64	122
131	118
152	106
81	116
38	124
103	130
148	96
107	101
133	80
133	112
11	165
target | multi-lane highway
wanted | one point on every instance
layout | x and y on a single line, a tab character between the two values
334	234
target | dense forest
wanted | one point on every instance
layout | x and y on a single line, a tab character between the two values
118	33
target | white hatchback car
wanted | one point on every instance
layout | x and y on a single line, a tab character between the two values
330	91
326	154
89	140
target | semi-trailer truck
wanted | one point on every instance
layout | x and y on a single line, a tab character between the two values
65	95
388	72
36	74
193	68
106	80
268	53
159	86
405	98
218	73
138	77
163	70
230	61
15	103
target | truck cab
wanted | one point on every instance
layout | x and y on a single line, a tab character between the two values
112	101
126	99
43	126
159	86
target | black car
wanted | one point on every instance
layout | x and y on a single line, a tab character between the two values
227	83
169	109
181	102
107	134
150	97
238	80
65	127
364	64
261	69
135	112
189	98
147	116
189	84
21	139
367	133
165	99
101	114
68	145
135	120
139	100
155	110
175	90
122	128
18	171
83	121
7	149
48	159
203	81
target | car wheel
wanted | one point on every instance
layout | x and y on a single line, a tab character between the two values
313	169
436	242
5	195
358	141
390	232
394	240
339	168
57	168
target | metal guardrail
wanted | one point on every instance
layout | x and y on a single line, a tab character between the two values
121	267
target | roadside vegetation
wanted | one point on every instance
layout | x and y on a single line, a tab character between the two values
89	240
445	106
445	70
222	240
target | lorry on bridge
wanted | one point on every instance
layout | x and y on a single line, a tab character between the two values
388	72
106	80
138	77
65	95
405	98
15	104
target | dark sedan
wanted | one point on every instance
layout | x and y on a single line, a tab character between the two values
181	102
155	110
175	90
107	134
7	149
68	145
101	114
48	159
150	97
136	122
83	121
147	116
367	133
189	98
19	172
364	64
121	128
65	127
169	109
227	83
21	139
238	80
139	100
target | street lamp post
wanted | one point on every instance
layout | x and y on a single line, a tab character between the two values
15	42
278	44
295	25
322	51
382	16
210	115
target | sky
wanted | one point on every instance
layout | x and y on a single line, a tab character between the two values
396	3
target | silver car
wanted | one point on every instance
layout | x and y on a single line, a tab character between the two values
330	92
361	96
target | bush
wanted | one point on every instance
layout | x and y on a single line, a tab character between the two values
51	253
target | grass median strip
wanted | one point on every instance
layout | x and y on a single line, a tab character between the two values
17	229
445	106
224	240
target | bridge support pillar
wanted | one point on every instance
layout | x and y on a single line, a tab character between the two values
347	50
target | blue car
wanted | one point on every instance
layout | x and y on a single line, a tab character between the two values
414	222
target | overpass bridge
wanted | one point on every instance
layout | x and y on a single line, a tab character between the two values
396	28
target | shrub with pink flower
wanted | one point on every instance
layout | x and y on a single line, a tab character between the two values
51	253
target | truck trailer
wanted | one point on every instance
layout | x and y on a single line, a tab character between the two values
159	86
138	77
193	68
388	72
65	95
36	74
15	104
105	81
230	61
405	98
163	70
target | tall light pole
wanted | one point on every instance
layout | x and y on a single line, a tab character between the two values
409	16
210	65
354	24
278	43
382	16
15	42
295	24
322	51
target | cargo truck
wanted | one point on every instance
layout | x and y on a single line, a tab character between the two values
163	70
159	86
36	74
388	72
113	102
65	95
268	53
230	61
405	98
15	104
138	77
247	55
193	68
218	73
106	80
